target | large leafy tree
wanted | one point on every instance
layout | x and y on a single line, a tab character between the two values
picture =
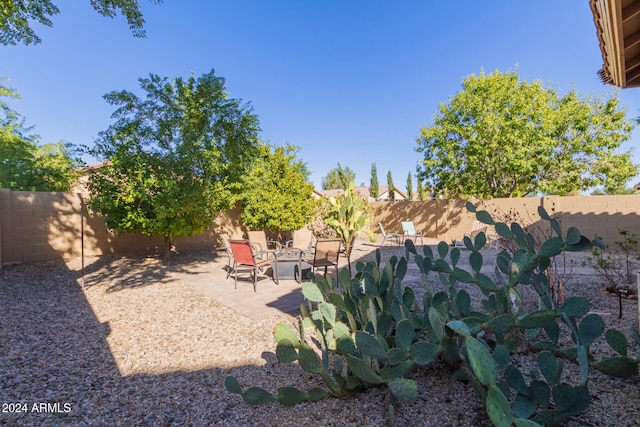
174	157
16	17
26	165
277	194
338	178
504	137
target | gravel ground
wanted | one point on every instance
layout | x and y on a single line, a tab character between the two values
136	347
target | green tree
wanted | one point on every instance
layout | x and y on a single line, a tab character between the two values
409	187
392	189
277	191
503	137
16	17
175	157
374	190
26	165
420	189
338	178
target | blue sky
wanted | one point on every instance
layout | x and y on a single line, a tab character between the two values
347	81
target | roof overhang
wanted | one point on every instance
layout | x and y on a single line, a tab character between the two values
618	28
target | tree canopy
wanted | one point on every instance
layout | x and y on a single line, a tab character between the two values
174	157
26	165
338	178
276	191
503	137
16	17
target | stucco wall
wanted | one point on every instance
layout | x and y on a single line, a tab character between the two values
449	220
37	226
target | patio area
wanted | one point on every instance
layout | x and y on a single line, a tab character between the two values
206	272
270	299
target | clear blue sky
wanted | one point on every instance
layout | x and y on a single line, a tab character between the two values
346	81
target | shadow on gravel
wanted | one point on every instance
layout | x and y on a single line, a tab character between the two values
43	311
125	272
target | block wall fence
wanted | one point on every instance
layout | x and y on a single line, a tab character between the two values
38	226
449	220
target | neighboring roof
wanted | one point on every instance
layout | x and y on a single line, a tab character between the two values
317	193
618	29
385	189
362	191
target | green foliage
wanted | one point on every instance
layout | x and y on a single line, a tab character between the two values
26	165
349	215
409	187
276	193
338	178
16	17
392	188
503	137
174	158
420	189
373	326
374	189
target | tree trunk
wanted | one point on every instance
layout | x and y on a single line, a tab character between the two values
167	250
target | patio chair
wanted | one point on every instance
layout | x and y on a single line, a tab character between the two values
231	264
244	259
325	255
386	236
262	247
302	241
409	231
476	228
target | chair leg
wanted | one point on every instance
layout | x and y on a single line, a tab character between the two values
275	273
255	279
235	270
231	266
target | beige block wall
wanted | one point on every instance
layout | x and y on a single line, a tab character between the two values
46	226
449	220
38	226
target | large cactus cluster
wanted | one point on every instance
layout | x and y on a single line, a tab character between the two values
372	332
349	215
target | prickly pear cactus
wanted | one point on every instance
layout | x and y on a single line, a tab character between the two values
349	215
372	332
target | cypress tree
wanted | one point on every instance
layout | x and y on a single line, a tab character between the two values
375	188
420	189
392	189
